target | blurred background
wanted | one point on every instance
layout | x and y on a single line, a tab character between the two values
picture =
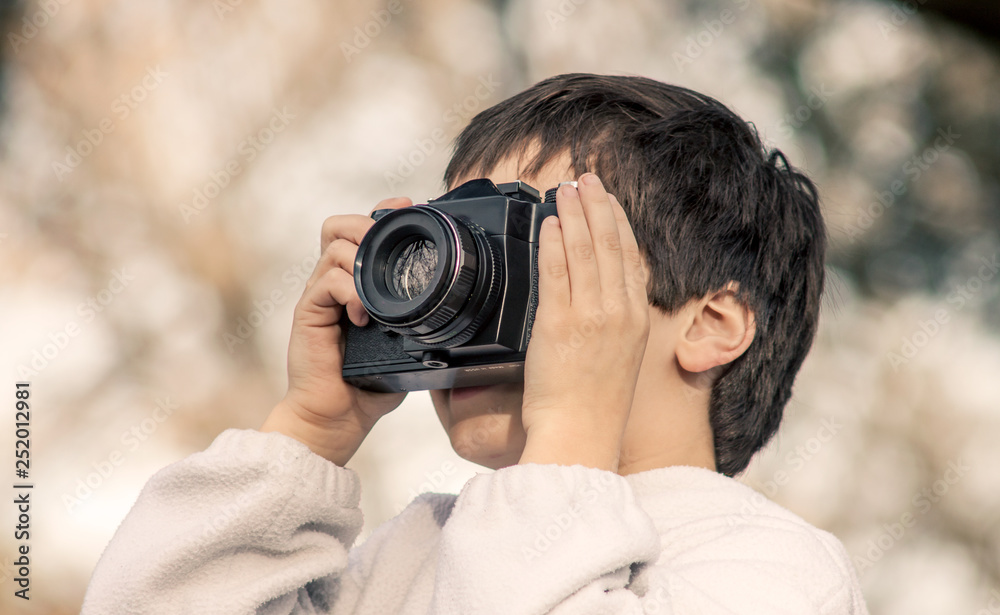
165	168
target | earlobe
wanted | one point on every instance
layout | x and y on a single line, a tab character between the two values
719	329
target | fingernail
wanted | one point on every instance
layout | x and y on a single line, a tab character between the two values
590	179
570	186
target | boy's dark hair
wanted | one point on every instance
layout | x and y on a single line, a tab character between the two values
708	204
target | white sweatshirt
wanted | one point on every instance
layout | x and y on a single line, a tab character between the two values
257	523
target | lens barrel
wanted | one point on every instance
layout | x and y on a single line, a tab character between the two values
427	275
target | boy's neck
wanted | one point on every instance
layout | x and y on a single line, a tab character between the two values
668	424
663	431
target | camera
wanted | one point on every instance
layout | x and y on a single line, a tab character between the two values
451	287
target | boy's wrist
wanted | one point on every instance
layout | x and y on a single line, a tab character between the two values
593	446
336	443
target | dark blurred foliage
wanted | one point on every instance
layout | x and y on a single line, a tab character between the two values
981	16
924	248
10	11
915	248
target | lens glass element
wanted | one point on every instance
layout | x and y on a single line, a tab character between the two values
411	269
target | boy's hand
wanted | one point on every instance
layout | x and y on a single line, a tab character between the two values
320	409
589	334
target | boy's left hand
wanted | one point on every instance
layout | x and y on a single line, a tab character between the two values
589	334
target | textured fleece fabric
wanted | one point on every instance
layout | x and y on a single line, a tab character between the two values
257	523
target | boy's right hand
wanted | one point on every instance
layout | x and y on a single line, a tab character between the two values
320	410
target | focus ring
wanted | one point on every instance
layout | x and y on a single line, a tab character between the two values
482	311
463	285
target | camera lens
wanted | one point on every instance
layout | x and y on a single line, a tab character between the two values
427	275
411	268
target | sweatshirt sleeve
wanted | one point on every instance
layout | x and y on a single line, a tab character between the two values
532	539
256	521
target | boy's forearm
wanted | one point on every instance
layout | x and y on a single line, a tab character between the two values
251	519
334	443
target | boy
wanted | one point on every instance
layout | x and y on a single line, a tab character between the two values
659	363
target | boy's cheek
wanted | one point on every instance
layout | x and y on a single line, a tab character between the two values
491	440
439	399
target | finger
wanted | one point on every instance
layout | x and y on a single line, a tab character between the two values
340	253
354	226
553	277
581	266
349	226
603	233
632	262
396	202
322	303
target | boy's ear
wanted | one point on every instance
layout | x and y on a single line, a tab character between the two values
717	331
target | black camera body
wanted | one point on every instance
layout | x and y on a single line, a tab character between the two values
451	287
